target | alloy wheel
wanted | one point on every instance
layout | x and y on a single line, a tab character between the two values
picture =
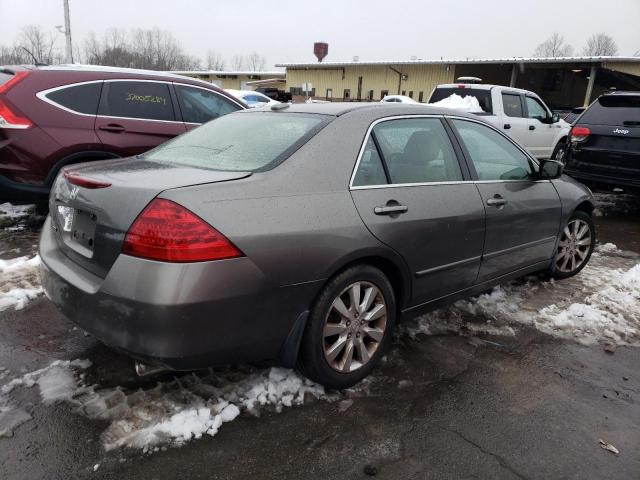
574	246
354	327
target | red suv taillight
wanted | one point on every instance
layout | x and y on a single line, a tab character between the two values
9	117
580	134
169	232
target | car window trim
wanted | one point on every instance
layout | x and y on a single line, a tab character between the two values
466	159
42	95
474	173
384	162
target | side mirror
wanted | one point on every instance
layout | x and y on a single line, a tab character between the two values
550	169
555	118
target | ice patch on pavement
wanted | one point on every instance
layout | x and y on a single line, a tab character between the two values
19	282
30	379
458	102
600	304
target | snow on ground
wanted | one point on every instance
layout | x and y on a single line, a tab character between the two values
19	282
10	213
467	104
171	413
601	304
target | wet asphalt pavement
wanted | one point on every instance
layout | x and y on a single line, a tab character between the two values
453	405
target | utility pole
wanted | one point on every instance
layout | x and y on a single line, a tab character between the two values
67	31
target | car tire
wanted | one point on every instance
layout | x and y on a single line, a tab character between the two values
560	151
345	339
575	246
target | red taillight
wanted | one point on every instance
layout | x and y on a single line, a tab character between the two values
9	118
462	85
75	179
169	232
17	77
580	134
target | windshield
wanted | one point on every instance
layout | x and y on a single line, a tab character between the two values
243	142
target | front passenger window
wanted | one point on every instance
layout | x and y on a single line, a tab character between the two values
494	156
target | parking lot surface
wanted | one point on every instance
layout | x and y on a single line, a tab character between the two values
531	380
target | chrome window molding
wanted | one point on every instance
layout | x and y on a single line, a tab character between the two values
42	95
422	184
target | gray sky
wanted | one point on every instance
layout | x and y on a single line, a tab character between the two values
284	30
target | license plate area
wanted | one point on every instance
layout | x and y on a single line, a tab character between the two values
77	228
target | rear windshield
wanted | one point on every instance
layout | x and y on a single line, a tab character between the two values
483	96
242	142
614	110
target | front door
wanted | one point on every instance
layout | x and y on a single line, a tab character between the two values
135	116
410	190
522	213
542	131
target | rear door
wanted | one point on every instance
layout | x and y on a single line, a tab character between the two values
514	122
413	195
199	105
522	212
136	115
542	131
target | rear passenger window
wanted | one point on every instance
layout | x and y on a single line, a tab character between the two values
512	105
79	98
417	151
494	156
370	169
199	105
146	100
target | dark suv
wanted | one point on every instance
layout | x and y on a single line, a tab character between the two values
604	148
54	116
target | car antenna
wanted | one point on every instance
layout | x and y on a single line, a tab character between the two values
280	106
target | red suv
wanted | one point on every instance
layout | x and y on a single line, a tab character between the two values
56	115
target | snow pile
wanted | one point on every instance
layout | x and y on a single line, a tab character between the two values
32	378
468	103
10	213
19	282
608	310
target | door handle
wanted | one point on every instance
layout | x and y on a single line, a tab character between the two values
507	126
532	127
112	127
390	209
496	201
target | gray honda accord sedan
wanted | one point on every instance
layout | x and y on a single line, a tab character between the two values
302	234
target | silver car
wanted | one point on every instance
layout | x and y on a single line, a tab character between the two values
302	234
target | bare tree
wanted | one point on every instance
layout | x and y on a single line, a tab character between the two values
237	62
554	46
256	62
600	45
13	56
153	49
34	40
214	61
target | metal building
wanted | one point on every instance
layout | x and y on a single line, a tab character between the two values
239	80
563	82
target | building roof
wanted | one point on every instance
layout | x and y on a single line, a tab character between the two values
443	61
231	72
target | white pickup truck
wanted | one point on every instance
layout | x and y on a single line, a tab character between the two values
521	114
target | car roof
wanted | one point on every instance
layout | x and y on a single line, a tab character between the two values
384	109
106	69
484	86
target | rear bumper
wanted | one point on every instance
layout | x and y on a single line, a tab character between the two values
181	316
600	178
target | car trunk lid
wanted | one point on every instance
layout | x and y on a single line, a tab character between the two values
609	150
93	205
